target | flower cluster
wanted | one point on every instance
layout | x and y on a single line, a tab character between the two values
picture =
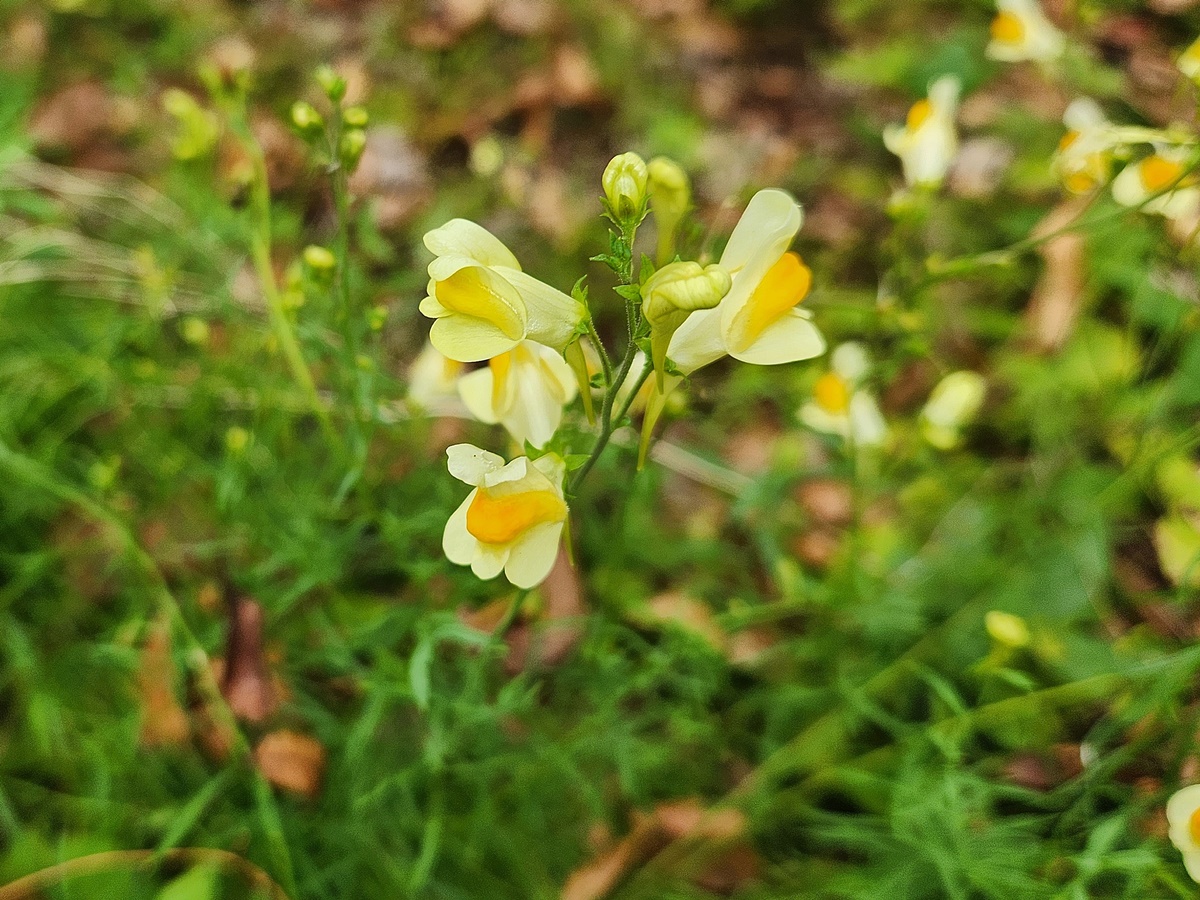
540	350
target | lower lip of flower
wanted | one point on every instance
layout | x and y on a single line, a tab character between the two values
503	519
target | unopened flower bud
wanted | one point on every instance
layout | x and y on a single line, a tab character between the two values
670	197
1006	629
672	294
237	439
355	117
319	259
333	84
955	401
351	147
624	182
306	118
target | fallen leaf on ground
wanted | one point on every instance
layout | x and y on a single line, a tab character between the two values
292	761
164	722
246	682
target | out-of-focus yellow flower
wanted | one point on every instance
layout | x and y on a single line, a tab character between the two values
1006	629
513	519
758	320
1140	182
840	404
952	405
483	304
1084	155
1021	31
672	294
1189	61
1183	820
927	142
625	181
433	378
524	389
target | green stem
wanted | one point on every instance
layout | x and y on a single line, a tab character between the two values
606	423
632	395
260	251
605	360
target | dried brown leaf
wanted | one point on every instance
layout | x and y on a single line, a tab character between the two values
291	761
164	722
1058	295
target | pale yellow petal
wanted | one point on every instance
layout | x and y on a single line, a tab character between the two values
533	554
791	338
465	238
471	464
475	390
459	545
553	317
697	342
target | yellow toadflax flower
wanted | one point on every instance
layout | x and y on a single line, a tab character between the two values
483	304
1189	61
840	405
1183	819
524	389
953	404
513	519
1021	31
758	320
1085	152
1139	182
927	142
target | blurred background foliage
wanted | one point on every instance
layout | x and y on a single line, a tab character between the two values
774	674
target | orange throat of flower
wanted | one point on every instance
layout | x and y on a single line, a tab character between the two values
1007	28
918	115
781	290
1158	173
1194	826
832	394
503	519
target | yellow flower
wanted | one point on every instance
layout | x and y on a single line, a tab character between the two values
1021	31
758	320
927	142
672	294
840	405
524	389
1189	61
432	378
483	304
513	519
952	405
1085	151
1140	182
1183	820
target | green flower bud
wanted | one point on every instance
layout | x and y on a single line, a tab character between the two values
952	406
319	259
194	331
670	198
355	117
672	294
624	183
306	119
237	439
351	147
333	84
